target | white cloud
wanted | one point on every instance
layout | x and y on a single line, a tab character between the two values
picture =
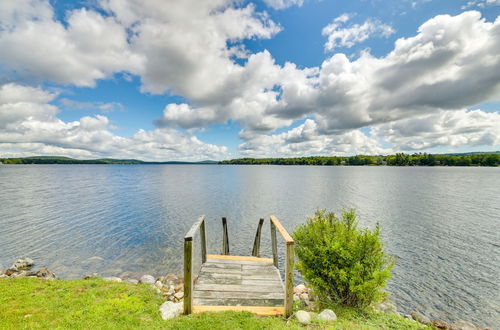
104	107
283	4
339	36
480	3
443	129
28	124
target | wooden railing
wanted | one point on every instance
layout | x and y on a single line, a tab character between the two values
289	261
188	261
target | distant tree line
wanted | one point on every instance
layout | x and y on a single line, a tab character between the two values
399	159
65	160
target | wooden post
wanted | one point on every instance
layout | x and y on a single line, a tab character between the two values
289	258
203	242
274	245
188	275
225	238
256	242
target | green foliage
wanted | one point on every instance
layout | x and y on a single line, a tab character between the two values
343	264
400	159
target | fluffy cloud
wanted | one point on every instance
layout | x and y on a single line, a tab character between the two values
354	33
283	4
444	128
28	124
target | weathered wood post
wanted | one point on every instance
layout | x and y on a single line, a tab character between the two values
274	245
256	242
188	273
203	242
225	238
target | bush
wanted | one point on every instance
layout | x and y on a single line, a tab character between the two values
343	264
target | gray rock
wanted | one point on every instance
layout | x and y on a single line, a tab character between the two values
169	310
131	280
147	279
303	317
386	308
23	263
3	276
409	317
420	318
112	279
327	315
463	325
179	295
158	285
45	274
94	275
299	289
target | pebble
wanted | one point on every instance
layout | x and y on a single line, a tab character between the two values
147	279
303	317
112	279
327	315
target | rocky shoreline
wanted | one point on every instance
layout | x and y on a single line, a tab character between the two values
172	289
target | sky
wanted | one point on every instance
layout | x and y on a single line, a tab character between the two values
192	80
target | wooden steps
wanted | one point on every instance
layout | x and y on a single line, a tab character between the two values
239	283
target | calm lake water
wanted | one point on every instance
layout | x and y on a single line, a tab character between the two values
442	224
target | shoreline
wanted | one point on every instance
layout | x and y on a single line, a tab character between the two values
171	288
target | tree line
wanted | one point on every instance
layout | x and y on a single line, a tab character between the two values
399	159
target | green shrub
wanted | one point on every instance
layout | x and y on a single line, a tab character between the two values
343	264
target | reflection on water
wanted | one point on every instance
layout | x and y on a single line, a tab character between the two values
441	223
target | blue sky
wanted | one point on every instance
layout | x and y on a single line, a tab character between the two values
167	80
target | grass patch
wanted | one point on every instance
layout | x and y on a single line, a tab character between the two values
30	303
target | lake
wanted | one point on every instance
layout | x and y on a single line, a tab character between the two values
441	223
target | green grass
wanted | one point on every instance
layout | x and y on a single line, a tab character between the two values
29	303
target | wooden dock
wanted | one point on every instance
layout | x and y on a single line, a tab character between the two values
238	283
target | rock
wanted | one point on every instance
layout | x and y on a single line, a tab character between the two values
327	315
45	274
112	279
420	318
463	325
158	285
179	295
299	289
303	317
304	296
386	308
169	310
23	263
147	279
131	280
3	276
10	271
438	324
179	287
409	317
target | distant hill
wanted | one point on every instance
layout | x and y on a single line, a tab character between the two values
104	161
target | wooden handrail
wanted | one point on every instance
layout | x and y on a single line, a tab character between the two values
286	236
188	261
289	261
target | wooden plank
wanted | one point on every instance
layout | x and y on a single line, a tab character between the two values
270	281
238	294
220	275
274	244
263	268
225	238
286	236
237	258
203	242
256	242
289	259
236	287
257	310
220	270
225	265
188	274
192	231
237	302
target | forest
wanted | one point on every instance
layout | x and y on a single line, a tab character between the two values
399	159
